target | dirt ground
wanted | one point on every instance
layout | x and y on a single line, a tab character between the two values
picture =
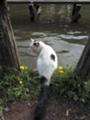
57	109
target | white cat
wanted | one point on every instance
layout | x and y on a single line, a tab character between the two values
46	64
46	58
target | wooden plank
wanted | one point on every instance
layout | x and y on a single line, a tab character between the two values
49	1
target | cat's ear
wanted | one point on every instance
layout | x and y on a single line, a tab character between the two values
32	41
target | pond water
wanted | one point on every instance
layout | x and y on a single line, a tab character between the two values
68	40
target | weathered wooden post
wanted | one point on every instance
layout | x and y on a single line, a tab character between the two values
76	12
83	67
8	51
34	10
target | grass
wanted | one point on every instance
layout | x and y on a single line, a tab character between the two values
25	85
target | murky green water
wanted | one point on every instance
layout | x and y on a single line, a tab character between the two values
67	39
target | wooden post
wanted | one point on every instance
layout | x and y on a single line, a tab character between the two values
8	50
83	67
76	12
34	11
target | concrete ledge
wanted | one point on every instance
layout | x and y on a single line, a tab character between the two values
50	1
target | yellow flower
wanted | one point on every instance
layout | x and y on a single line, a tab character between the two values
60	68
20	82
23	68
61	71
